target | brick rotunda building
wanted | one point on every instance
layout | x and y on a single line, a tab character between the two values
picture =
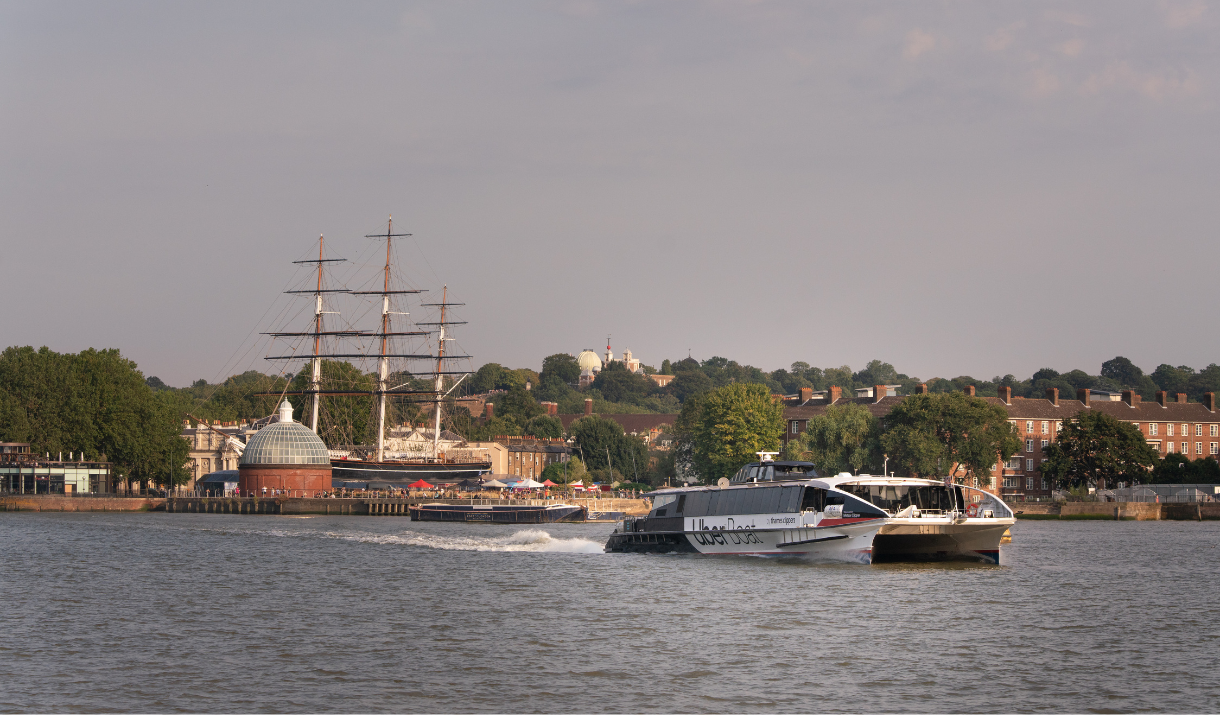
284	456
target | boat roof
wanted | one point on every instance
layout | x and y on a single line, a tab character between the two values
835	482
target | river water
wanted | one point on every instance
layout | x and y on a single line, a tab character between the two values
197	612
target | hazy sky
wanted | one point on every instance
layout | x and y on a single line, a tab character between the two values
956	188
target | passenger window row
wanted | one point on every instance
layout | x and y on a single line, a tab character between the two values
751	500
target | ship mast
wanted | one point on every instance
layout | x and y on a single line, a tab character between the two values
440	364
383	356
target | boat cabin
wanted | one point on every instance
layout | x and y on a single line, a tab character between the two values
775	472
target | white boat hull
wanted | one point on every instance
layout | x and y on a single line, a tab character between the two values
941	539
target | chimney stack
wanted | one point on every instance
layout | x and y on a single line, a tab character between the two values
923	388
552	408
1005	395
588	407
1160	397
1209	401
1052	394
835	393
1131	397
806	394
1082	394
878	392
489	411
1181	398
969	390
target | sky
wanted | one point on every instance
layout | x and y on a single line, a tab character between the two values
955	188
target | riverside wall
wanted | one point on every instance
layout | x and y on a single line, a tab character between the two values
371	506
1136	511
30	502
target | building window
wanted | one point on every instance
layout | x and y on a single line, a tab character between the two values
1198	430
1168	447
1152	428
1029	426
793	426
1029	463
1185	430
976	482
1186	448
1215	447
1135	425
1045	484
1168	429
1046	427
1029	483
1058	426
1010	482
1198	448
1214	429
1029	444
1044	443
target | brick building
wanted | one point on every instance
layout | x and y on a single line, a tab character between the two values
1169	426
528	456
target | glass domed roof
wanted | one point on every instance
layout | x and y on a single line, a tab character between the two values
285	442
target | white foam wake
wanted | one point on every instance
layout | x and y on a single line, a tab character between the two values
533	540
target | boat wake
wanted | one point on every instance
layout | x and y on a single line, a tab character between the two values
527	540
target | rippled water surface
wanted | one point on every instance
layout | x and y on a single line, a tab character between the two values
196	612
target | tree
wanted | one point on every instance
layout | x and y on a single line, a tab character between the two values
618	384
517	404
1095	447
735	423
689	383
667	367
939	434
877	373
845	438
95	402
1122	371
561	366
544	427
596	438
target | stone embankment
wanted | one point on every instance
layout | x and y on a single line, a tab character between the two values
54	502
1133	511
371	506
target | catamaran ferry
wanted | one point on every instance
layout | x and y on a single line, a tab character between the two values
929	520
768	509
785	508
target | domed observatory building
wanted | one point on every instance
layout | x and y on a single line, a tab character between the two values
285	456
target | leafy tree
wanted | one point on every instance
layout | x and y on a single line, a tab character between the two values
619	384
936	434
845	438
1095	447
517	404
735	423
561	366
95	402
596	438
667	367
689	383
342	420
155	383
1122	371
544	427
1178	468
876	373
1173	379
662	468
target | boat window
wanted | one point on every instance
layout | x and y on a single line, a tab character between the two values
681	503
662	499
696	505
713	502
769	500
814	499
729	500
790	499
766	474
896	498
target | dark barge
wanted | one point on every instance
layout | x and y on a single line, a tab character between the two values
498	513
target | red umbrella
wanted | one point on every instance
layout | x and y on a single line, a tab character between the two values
549	483
421	484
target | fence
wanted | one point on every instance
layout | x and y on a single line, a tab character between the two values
1163	493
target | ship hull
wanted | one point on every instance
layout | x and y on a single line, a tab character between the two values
851	543
498	514
404	472
968	540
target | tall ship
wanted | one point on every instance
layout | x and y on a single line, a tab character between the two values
421	377
786	509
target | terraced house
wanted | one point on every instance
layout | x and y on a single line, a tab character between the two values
1168	424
